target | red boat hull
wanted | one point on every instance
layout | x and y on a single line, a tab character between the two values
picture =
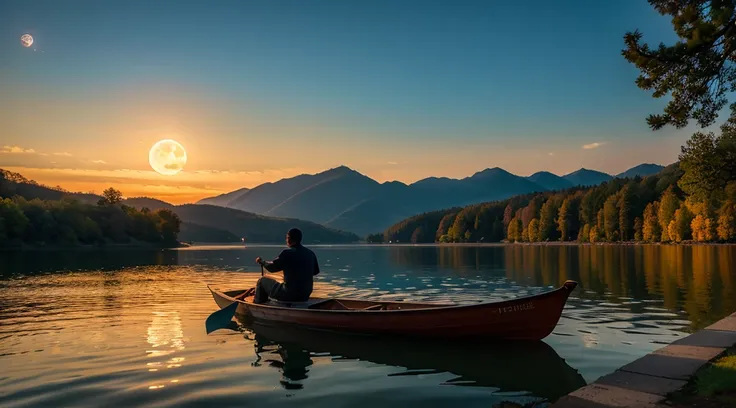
526	318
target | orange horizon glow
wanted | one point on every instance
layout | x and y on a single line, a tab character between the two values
232	144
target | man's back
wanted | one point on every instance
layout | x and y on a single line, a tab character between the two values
300	265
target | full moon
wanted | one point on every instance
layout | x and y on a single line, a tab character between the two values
26	40
167	157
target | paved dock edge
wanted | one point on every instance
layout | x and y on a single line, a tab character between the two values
646	382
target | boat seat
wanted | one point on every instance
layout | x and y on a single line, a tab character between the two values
296	305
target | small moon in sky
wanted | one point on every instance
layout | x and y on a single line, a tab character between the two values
26	40
167	157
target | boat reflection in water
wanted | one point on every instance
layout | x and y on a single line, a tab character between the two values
532	368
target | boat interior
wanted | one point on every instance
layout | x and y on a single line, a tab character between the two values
345	304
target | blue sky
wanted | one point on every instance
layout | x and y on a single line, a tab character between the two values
396	89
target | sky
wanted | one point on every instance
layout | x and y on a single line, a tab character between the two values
257	91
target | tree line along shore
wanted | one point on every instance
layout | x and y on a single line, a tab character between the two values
692	200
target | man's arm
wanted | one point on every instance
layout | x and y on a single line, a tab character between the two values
316	266
277	264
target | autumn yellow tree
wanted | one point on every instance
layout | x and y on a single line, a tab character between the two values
595	235
533	230
514	232
702	228
679	228
668	204
584	234
651	230
727	222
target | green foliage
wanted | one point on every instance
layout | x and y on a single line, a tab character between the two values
508	215
548	220
697	71
374	238
564	219
651	209
718	377
610	220
531	210
624	199
111	196
13	221
403	231
680	229
709	164
625	211
445	223
169	224
461	230
69	222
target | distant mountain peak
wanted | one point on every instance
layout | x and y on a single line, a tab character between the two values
543	173
550	181
587	177
642	170
489	172
340	169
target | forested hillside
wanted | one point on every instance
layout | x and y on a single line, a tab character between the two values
47	210
693	199
344	199
69	221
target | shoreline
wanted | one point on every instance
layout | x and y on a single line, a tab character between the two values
194	245
98	247
553	243
650	380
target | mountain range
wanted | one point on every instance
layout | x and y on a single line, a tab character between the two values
200	222
344	199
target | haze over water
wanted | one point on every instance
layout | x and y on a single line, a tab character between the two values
87	328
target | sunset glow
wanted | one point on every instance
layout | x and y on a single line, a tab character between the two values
86	117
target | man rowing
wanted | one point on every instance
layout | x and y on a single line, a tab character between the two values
299	265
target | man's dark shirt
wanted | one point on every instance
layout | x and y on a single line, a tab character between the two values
299	265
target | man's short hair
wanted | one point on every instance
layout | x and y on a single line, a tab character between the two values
295	234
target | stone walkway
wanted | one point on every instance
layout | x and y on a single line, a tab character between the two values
647	381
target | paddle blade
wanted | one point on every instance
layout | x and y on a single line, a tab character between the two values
221	319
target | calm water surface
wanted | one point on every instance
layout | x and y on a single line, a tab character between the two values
126	328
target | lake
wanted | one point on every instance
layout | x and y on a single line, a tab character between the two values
126	327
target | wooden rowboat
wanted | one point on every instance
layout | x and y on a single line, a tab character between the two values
524	318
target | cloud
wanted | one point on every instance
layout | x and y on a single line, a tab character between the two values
99	162
16	150
551	153
593	145
393	163
65	154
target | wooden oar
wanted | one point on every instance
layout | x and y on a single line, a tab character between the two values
221	319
